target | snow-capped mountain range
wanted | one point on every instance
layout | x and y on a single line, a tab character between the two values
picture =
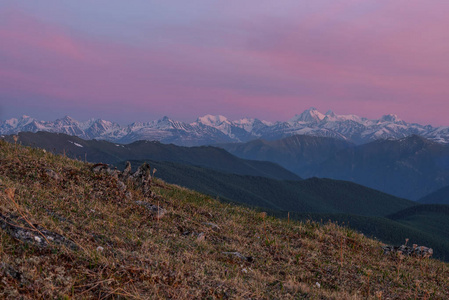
210	129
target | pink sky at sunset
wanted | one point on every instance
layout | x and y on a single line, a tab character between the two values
141	60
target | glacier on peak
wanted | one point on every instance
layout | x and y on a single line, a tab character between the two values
311	115
211	120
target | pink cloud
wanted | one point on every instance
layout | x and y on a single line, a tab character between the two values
352	57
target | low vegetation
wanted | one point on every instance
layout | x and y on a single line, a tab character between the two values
114	248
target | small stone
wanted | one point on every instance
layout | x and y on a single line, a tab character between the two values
37	239
114	173
415	250
98	168
100	249
214	226
52	174
317	284
121	186
158	211
201	237
240	256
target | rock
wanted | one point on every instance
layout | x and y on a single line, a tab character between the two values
201	237
121	186
19	229
157	211
104	168
8	270
53	175
423	251
240	256
114	173
99	168
212	225
127	172
415	250
142	177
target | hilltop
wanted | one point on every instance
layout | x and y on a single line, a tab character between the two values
85	232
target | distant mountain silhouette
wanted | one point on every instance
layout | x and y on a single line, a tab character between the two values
440	196
294	153
410	168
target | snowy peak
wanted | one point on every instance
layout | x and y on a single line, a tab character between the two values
102	126
311	115
330	114
210	120
24	120
390	118
165	123
68	120
210	129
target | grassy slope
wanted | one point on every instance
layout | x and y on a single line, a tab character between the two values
311	195
391	231
148	258
322	199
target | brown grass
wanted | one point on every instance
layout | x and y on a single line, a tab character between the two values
125	253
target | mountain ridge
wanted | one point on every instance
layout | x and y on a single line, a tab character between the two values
294	153
410	168
414	166
112	153
440	196
211	129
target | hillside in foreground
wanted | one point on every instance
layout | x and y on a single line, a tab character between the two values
71	230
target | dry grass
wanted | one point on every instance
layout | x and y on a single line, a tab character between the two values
125	253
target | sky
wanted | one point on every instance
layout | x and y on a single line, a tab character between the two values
140	60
